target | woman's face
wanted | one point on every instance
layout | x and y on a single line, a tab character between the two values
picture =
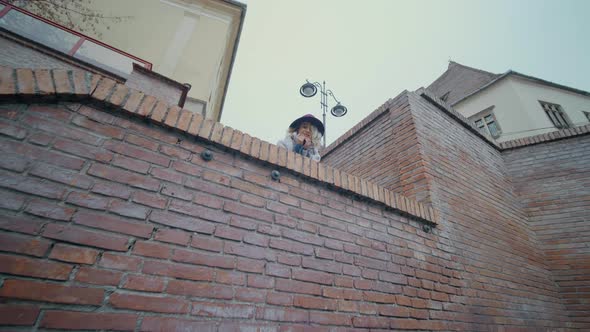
305	130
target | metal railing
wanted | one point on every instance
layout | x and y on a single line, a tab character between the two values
67	41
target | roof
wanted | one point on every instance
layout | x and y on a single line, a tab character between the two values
459	81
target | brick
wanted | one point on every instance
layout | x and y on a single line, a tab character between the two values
195	125
11	201
88	200
209	309
133	102
7	81
79	235
111	189
22	224
145	283
149	303
178	221
160	324
142	142
103	89
138	153
14	162
119	95
62	176
173	236
130	210
76	320
44	82
82	150
230	278
167	175
282	315
120	262
23	244
175	152
248	251
250	295
256	281
309	302
313	276
131	164
250	265
24	266
113	224
291	246
172	116
300	287
226	136
149	199
13	131
197	258
95	276
31	186
208	244
117	175
199	289
49	292
281	299
25	81
81	83
371	322
159	112
47	210
181	271
146	106
325	318
152	249
199	211
186	168
184	120
73	254
229	233
13	314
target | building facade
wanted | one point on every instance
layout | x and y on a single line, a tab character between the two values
511	105
190	42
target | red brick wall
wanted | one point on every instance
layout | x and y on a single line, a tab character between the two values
107	222
484	237
484	225
384	149
553	181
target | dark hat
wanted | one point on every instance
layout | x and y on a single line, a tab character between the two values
311	119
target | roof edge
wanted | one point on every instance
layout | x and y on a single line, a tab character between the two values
52	85
527	77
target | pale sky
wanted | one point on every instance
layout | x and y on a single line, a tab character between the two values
370	51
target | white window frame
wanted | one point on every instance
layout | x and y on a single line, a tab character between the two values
556	115
482	121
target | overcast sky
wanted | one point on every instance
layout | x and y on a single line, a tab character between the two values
370	51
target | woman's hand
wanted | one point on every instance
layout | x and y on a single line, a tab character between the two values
303	140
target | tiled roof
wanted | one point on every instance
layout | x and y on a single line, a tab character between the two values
459	81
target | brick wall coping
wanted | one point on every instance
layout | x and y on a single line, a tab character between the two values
50	85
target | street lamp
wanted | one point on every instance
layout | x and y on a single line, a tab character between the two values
309	90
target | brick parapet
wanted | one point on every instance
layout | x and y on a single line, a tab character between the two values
48	85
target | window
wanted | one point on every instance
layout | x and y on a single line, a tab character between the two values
486	123
555	114
587	114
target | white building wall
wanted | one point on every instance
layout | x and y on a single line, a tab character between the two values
517	108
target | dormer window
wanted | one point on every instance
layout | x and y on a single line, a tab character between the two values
555	114
485	121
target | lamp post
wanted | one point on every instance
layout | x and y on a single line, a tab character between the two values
309	89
